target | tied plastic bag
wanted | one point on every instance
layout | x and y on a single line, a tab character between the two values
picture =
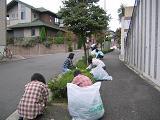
100	74
84	103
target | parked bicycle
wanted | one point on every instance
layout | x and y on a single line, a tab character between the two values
6	54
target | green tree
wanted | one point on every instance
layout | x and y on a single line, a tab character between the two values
69	40
42	34
117	36
121	11
100	38
83	18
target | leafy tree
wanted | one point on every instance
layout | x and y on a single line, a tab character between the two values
83	18
42	34
100	37
69	40
121	11
117	36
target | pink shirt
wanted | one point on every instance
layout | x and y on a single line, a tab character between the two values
82	80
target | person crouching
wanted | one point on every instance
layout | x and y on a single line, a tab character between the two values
34	99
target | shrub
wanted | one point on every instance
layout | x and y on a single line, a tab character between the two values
59	83
107	51
70	49
81	64
48	43
43	34
59	40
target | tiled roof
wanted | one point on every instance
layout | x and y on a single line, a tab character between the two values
35	23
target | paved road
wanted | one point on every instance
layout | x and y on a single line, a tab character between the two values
13	77
128	97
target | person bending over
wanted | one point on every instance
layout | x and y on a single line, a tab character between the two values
34	99
81	80
94	62
68	64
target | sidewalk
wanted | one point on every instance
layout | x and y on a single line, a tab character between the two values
126	97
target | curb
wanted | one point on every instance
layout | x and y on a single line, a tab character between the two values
13	116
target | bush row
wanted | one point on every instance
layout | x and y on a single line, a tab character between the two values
58	84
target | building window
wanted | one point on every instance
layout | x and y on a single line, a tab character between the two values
22	15
33	31
56	21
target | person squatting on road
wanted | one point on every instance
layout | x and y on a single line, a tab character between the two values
99	54
34	99
81	80
68	64
94	62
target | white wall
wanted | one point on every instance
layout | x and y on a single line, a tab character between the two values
16	11
27	10
143	49
13	15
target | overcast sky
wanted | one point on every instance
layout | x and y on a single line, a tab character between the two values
111	7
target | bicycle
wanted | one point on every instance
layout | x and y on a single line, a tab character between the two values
6	54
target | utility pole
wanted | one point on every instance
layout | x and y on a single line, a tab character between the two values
2	24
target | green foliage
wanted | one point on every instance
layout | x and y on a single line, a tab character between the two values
81	64
42	34
59	38
58	84
117	36
81	17
107	51
69	38
108	39
48	42
26	41
70	48
80	42
100	37
121	12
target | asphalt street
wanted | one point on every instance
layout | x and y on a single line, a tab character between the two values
14	75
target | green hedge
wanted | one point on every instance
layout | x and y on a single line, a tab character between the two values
107	51
58	84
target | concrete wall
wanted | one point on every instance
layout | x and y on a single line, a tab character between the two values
125	22
13	15
142	51
2	24
27	10
128	11
27	32
38	49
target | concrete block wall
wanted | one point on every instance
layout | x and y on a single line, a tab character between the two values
142	48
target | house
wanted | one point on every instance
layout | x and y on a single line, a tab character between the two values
125	22
24	20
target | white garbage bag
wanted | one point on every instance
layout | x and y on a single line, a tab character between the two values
100	74
84	103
